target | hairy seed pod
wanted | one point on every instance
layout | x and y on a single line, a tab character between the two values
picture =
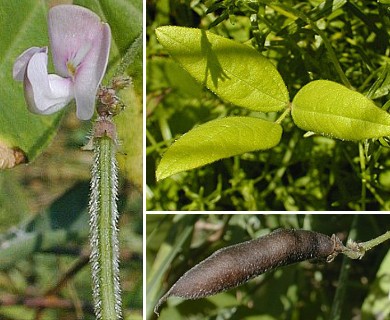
236	264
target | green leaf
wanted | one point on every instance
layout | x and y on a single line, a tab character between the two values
64	221
125	20
234	71
130	159
329	108
216	140
130	149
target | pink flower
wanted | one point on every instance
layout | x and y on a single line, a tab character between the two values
80	45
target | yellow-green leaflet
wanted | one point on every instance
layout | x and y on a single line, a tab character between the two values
216	140
234	71
329	108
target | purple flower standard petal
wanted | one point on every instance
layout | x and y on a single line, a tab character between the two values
80	43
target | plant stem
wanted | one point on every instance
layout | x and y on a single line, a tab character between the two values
368	245
103	229
339	297
356	250
362	159
284	114
129	57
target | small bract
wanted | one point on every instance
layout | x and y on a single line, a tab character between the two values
80	45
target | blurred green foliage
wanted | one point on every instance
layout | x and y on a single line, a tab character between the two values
343	41
40	251
306	290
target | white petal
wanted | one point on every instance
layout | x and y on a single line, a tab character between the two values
45	94
20	65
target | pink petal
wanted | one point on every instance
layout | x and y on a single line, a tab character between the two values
20	65
78	36
44	93
90	73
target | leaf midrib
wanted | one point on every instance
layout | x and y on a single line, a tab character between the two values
342	117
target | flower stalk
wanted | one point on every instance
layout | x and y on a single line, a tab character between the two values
103	223
103	205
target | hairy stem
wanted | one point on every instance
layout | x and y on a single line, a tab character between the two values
341	290
362	159
368	245
104	231
130	55
356	250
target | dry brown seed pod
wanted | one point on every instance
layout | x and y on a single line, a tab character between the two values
236	264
